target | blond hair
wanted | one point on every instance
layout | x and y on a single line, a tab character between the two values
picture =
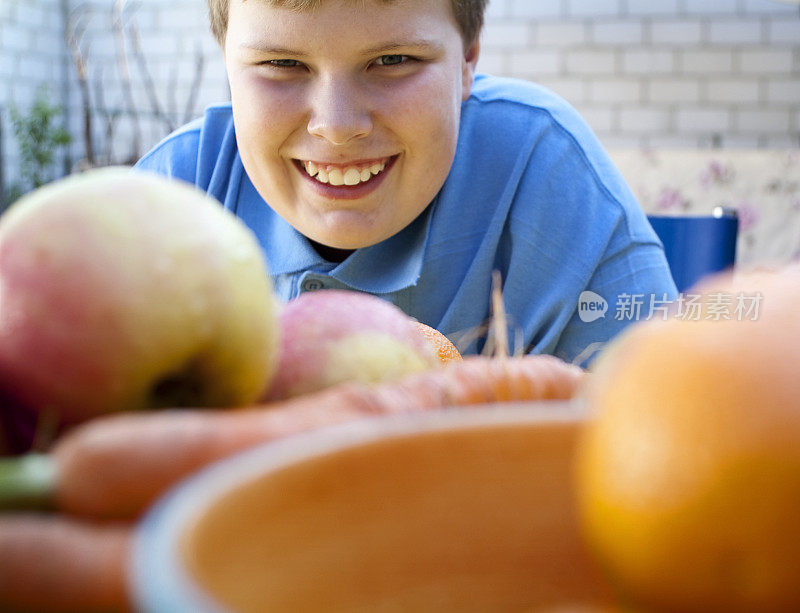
468	15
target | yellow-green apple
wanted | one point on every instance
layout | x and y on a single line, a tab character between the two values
123	290
332	336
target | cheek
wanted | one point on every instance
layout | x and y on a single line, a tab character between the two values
265	119
262	110
435	124
427	111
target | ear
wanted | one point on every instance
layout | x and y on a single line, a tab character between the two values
468	67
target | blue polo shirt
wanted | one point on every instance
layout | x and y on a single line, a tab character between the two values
531	193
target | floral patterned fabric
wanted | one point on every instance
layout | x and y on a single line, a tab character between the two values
762	185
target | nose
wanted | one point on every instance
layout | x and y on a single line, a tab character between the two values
339	112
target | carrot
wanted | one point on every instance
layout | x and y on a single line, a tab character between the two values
114	467
50	563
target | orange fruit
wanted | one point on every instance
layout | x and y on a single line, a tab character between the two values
446	350
688	473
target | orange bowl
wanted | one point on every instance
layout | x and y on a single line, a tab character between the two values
452	510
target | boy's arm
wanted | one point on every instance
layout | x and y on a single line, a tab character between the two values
630	285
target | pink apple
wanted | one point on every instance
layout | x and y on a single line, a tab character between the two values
332	336
124	290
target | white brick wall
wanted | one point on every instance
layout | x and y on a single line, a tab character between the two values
28	61
674	32
33	51
666	72
643	72
172	34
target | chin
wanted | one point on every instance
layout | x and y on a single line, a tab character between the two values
345	244
347	238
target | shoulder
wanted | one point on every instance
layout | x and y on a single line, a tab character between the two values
195	150
512	115
523	114
214	122
516	100
490	88
559	160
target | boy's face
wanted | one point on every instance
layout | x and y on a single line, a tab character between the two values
347	91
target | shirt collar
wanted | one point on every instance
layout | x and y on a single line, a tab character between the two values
389	266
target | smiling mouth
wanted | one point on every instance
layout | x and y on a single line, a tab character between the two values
349	174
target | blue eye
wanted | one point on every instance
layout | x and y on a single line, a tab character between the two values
392	60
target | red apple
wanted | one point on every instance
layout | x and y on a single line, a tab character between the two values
123	290
332	336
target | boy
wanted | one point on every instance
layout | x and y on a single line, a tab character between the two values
365	155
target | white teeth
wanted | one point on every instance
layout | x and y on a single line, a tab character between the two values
335	177
349	175
352	176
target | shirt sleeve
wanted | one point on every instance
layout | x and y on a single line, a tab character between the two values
587	262
175	156
631	284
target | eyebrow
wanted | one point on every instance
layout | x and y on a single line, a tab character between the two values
271	50
425	46
421	44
